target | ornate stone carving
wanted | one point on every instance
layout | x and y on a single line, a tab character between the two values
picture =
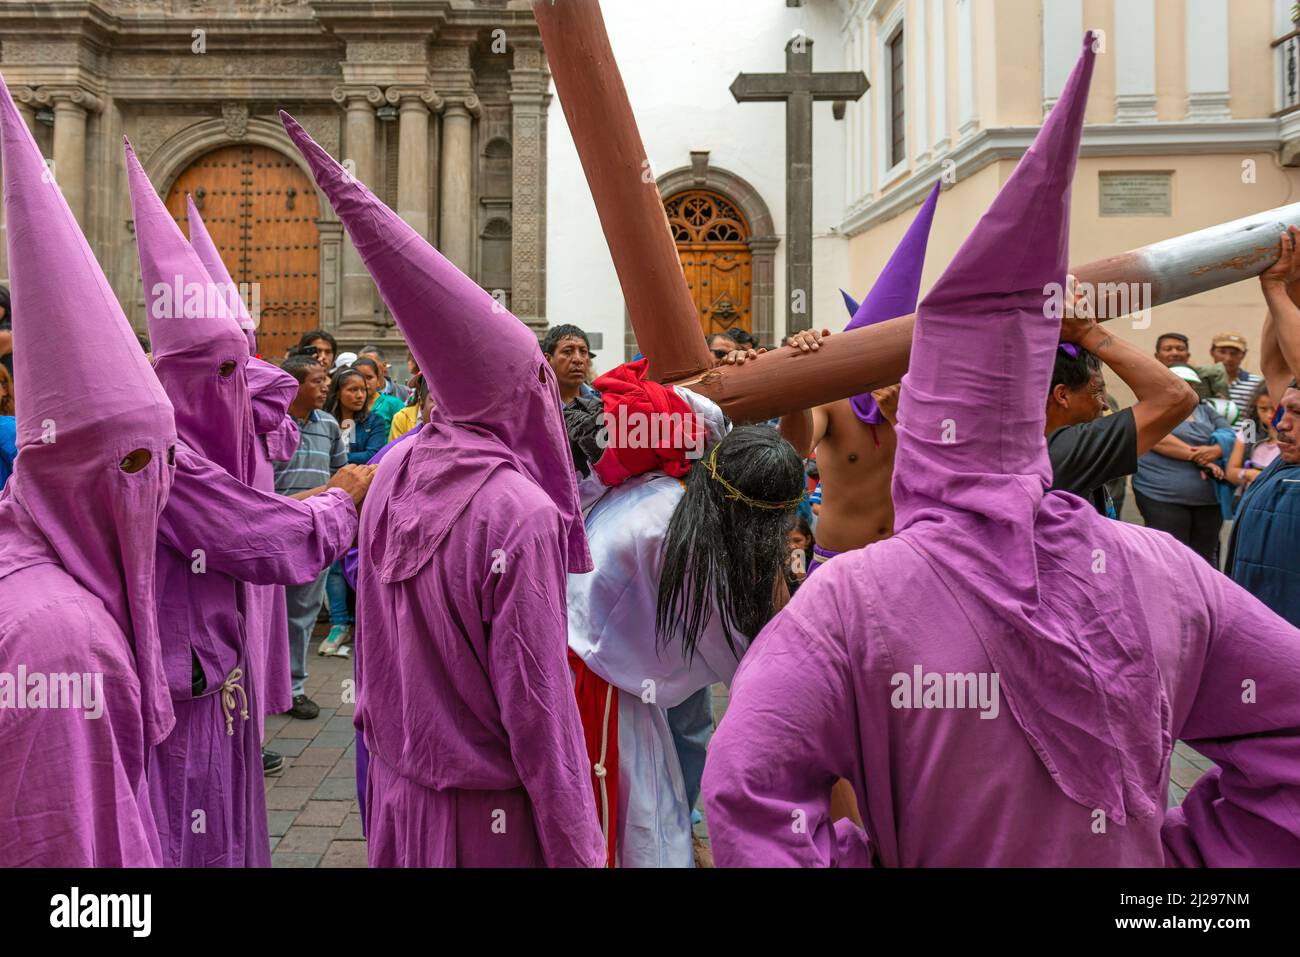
76	95
396	94
235	116
450	58
345	92
149	132
386	51
182	7
241	65
528	242
41	52
324	129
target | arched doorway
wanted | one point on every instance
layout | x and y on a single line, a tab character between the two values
712	238
262	212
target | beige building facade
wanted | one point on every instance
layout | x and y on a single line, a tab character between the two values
439	105
1192	122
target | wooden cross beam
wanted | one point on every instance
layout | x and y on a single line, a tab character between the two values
799	87
604	130
631	211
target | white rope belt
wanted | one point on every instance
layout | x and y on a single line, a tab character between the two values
599	766
229	699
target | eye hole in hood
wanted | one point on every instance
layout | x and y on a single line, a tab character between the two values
135	461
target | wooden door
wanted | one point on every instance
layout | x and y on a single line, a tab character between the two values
711	236
261	210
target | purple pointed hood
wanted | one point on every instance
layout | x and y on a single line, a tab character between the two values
894	293
211	260
497	399
200	354
971	492
86	402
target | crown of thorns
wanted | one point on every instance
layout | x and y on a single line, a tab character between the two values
739	496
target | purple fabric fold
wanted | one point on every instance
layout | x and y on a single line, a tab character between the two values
466	700
970	491
86	398
894	293
78	533
200	353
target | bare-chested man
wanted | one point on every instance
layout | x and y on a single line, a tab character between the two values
855	457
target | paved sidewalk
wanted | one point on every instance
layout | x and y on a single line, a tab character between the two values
312	804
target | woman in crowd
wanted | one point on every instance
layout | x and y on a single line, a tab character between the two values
384	406
1175	484
365	434
1249	459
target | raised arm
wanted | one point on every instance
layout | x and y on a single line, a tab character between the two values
1164	400
780	750
255	536
1245	717
1280	349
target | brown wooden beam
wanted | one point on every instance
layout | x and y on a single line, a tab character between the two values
631	211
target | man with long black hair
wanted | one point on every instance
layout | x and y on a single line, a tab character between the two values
687	572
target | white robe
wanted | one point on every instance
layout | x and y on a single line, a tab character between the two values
612	627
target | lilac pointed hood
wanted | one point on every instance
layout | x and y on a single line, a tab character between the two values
971	487
200	354
497	399
206	249
86	400
895	291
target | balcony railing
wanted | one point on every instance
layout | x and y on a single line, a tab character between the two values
1287	57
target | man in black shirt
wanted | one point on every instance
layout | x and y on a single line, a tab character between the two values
1088	448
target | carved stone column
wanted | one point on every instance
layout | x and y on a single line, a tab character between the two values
456	218
358	156
70	105
413	105
528	97
27	99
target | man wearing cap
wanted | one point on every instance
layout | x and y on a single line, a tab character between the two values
1229	349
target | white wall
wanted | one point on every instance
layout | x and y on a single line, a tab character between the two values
678	59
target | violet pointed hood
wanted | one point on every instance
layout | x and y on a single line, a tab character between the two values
894	293
96	435
200	354
211	260
497	400
971	484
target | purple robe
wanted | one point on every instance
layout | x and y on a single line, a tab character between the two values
271	390
1003	680
466	699
217	536
212	761
946	787
77	595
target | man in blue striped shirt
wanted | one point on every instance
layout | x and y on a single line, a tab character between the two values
321	453
1229	349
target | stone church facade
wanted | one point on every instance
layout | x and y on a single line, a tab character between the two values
438	105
